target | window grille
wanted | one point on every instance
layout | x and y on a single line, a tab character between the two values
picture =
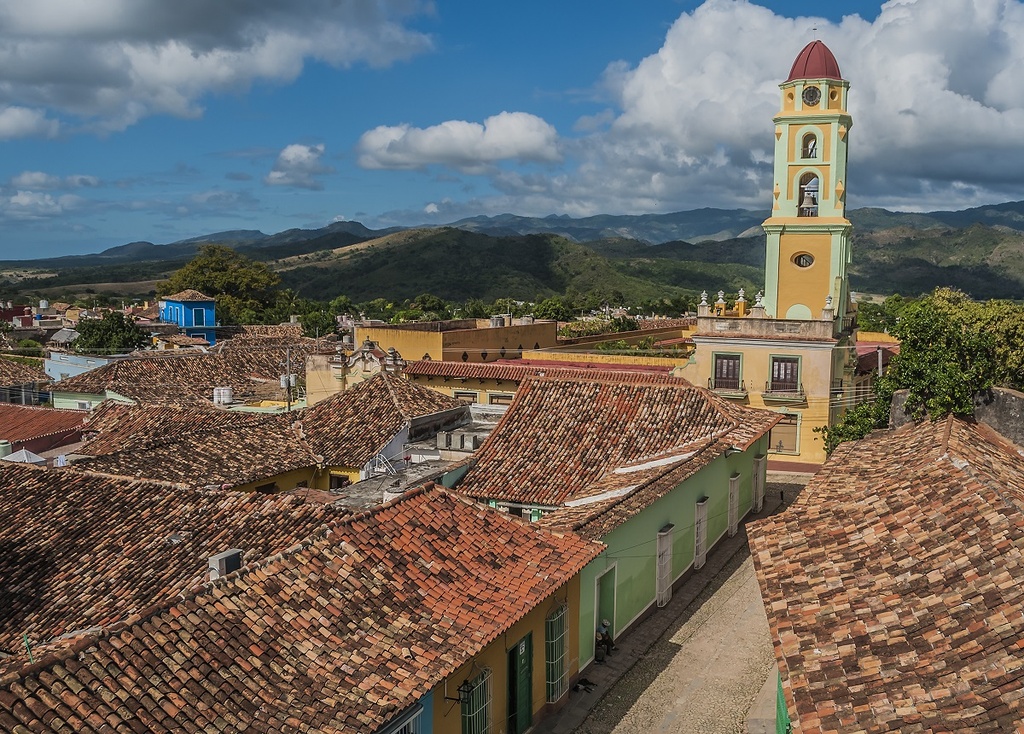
734	504
664	580
409	724
476	707
700	527
727	372
785	374
556	628
758	483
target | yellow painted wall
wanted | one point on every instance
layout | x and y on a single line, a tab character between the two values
817	370
492	340
448	714
285	481
483	388
412	345
807	286
323	479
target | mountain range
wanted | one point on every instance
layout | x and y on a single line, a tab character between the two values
979	250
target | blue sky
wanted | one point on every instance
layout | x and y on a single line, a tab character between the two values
124	120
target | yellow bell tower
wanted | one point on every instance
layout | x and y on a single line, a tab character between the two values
808	234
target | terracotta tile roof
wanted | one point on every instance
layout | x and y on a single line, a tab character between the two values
189	294
337	635
566	441
17	372
115	426
82	550
20	423
239	335
223	455
166	378
892	586
350	428
517	371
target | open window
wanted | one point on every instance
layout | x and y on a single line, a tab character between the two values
809	148
808	196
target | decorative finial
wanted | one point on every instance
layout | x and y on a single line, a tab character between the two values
741	298
758	299
703	298
828	301
721	297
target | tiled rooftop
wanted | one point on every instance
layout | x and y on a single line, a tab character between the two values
520	370
22	423
350	428
187	295
252	370
566	442
17	372
114	427
338	635
221	455
81	550
893	585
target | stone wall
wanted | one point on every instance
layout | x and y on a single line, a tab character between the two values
999	408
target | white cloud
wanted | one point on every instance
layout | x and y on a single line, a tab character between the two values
298	165
466	146
21	122
113	62
937	98
33	205
41	180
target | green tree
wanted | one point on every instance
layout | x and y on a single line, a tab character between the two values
553	309
29	348
244	289
947	355
318	323
113	334
341	305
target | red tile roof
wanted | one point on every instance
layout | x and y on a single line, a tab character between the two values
892	586
338	635
520	370
82	550
223	455
116	427
350	428
188	295
20	423
578	441
20	372
169	378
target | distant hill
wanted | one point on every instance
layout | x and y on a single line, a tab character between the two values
978	250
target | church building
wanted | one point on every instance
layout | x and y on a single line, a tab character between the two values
793	350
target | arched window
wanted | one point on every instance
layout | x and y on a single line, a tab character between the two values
810	146
808	206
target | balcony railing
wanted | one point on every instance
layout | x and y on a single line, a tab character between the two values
728	386
783	390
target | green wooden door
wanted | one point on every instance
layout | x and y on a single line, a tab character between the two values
520	686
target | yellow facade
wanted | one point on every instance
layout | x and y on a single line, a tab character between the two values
802	290
467	341
447	718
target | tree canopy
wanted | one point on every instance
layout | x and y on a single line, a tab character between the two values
951	348
113	334
244	288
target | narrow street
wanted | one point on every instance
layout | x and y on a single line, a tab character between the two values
703	674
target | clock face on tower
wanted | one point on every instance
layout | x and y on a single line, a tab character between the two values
812	95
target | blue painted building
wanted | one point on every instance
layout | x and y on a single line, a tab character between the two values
194	313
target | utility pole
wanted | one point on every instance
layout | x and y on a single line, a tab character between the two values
288	378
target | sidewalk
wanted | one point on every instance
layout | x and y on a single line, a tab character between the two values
644	636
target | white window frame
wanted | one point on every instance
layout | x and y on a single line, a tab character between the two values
663	583
556	653
409	723
759	481
476	709
700	534
734	504
201	321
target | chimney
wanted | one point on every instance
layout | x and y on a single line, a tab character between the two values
6	449
225	563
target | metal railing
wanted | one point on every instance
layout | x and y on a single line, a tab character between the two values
727	384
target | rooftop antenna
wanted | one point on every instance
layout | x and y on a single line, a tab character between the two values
814	30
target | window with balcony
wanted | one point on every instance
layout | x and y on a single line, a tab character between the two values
727	372
785	375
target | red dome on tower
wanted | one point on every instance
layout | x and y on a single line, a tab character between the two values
815	62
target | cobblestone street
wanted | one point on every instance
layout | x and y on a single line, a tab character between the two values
704	672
